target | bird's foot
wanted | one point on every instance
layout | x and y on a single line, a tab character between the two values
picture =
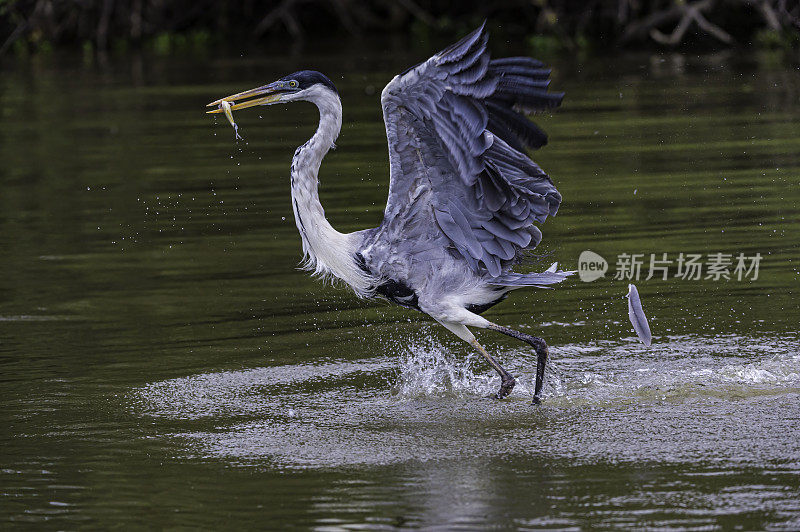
506	386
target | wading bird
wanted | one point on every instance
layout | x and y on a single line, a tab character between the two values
463	193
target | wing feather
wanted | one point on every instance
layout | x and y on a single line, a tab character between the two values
455	132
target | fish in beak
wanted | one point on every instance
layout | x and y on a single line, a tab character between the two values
226	106
264	95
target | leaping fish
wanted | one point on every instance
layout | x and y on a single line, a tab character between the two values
636	315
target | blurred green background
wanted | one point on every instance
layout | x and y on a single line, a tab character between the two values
163	364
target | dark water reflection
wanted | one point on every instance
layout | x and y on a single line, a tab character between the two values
164	364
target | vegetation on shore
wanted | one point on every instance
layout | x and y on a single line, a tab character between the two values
548	25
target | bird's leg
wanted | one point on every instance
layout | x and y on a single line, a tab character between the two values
541	355
507	381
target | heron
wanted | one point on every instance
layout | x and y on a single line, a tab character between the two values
464	194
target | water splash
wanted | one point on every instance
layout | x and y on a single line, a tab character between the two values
429	369
677	368
604	400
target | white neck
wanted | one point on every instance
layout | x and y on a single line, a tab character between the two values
327	251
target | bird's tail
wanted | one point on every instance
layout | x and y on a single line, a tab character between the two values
551	275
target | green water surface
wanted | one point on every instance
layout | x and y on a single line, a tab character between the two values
164	364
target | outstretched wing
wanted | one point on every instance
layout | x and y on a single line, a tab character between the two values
457	138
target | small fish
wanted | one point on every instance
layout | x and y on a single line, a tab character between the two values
636	315
226	107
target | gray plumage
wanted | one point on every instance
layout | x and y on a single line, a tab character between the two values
463	193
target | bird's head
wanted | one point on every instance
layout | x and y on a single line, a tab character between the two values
305	85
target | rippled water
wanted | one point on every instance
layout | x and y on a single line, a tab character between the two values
696	389
165	365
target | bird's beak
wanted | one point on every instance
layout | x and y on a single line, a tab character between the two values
263	95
